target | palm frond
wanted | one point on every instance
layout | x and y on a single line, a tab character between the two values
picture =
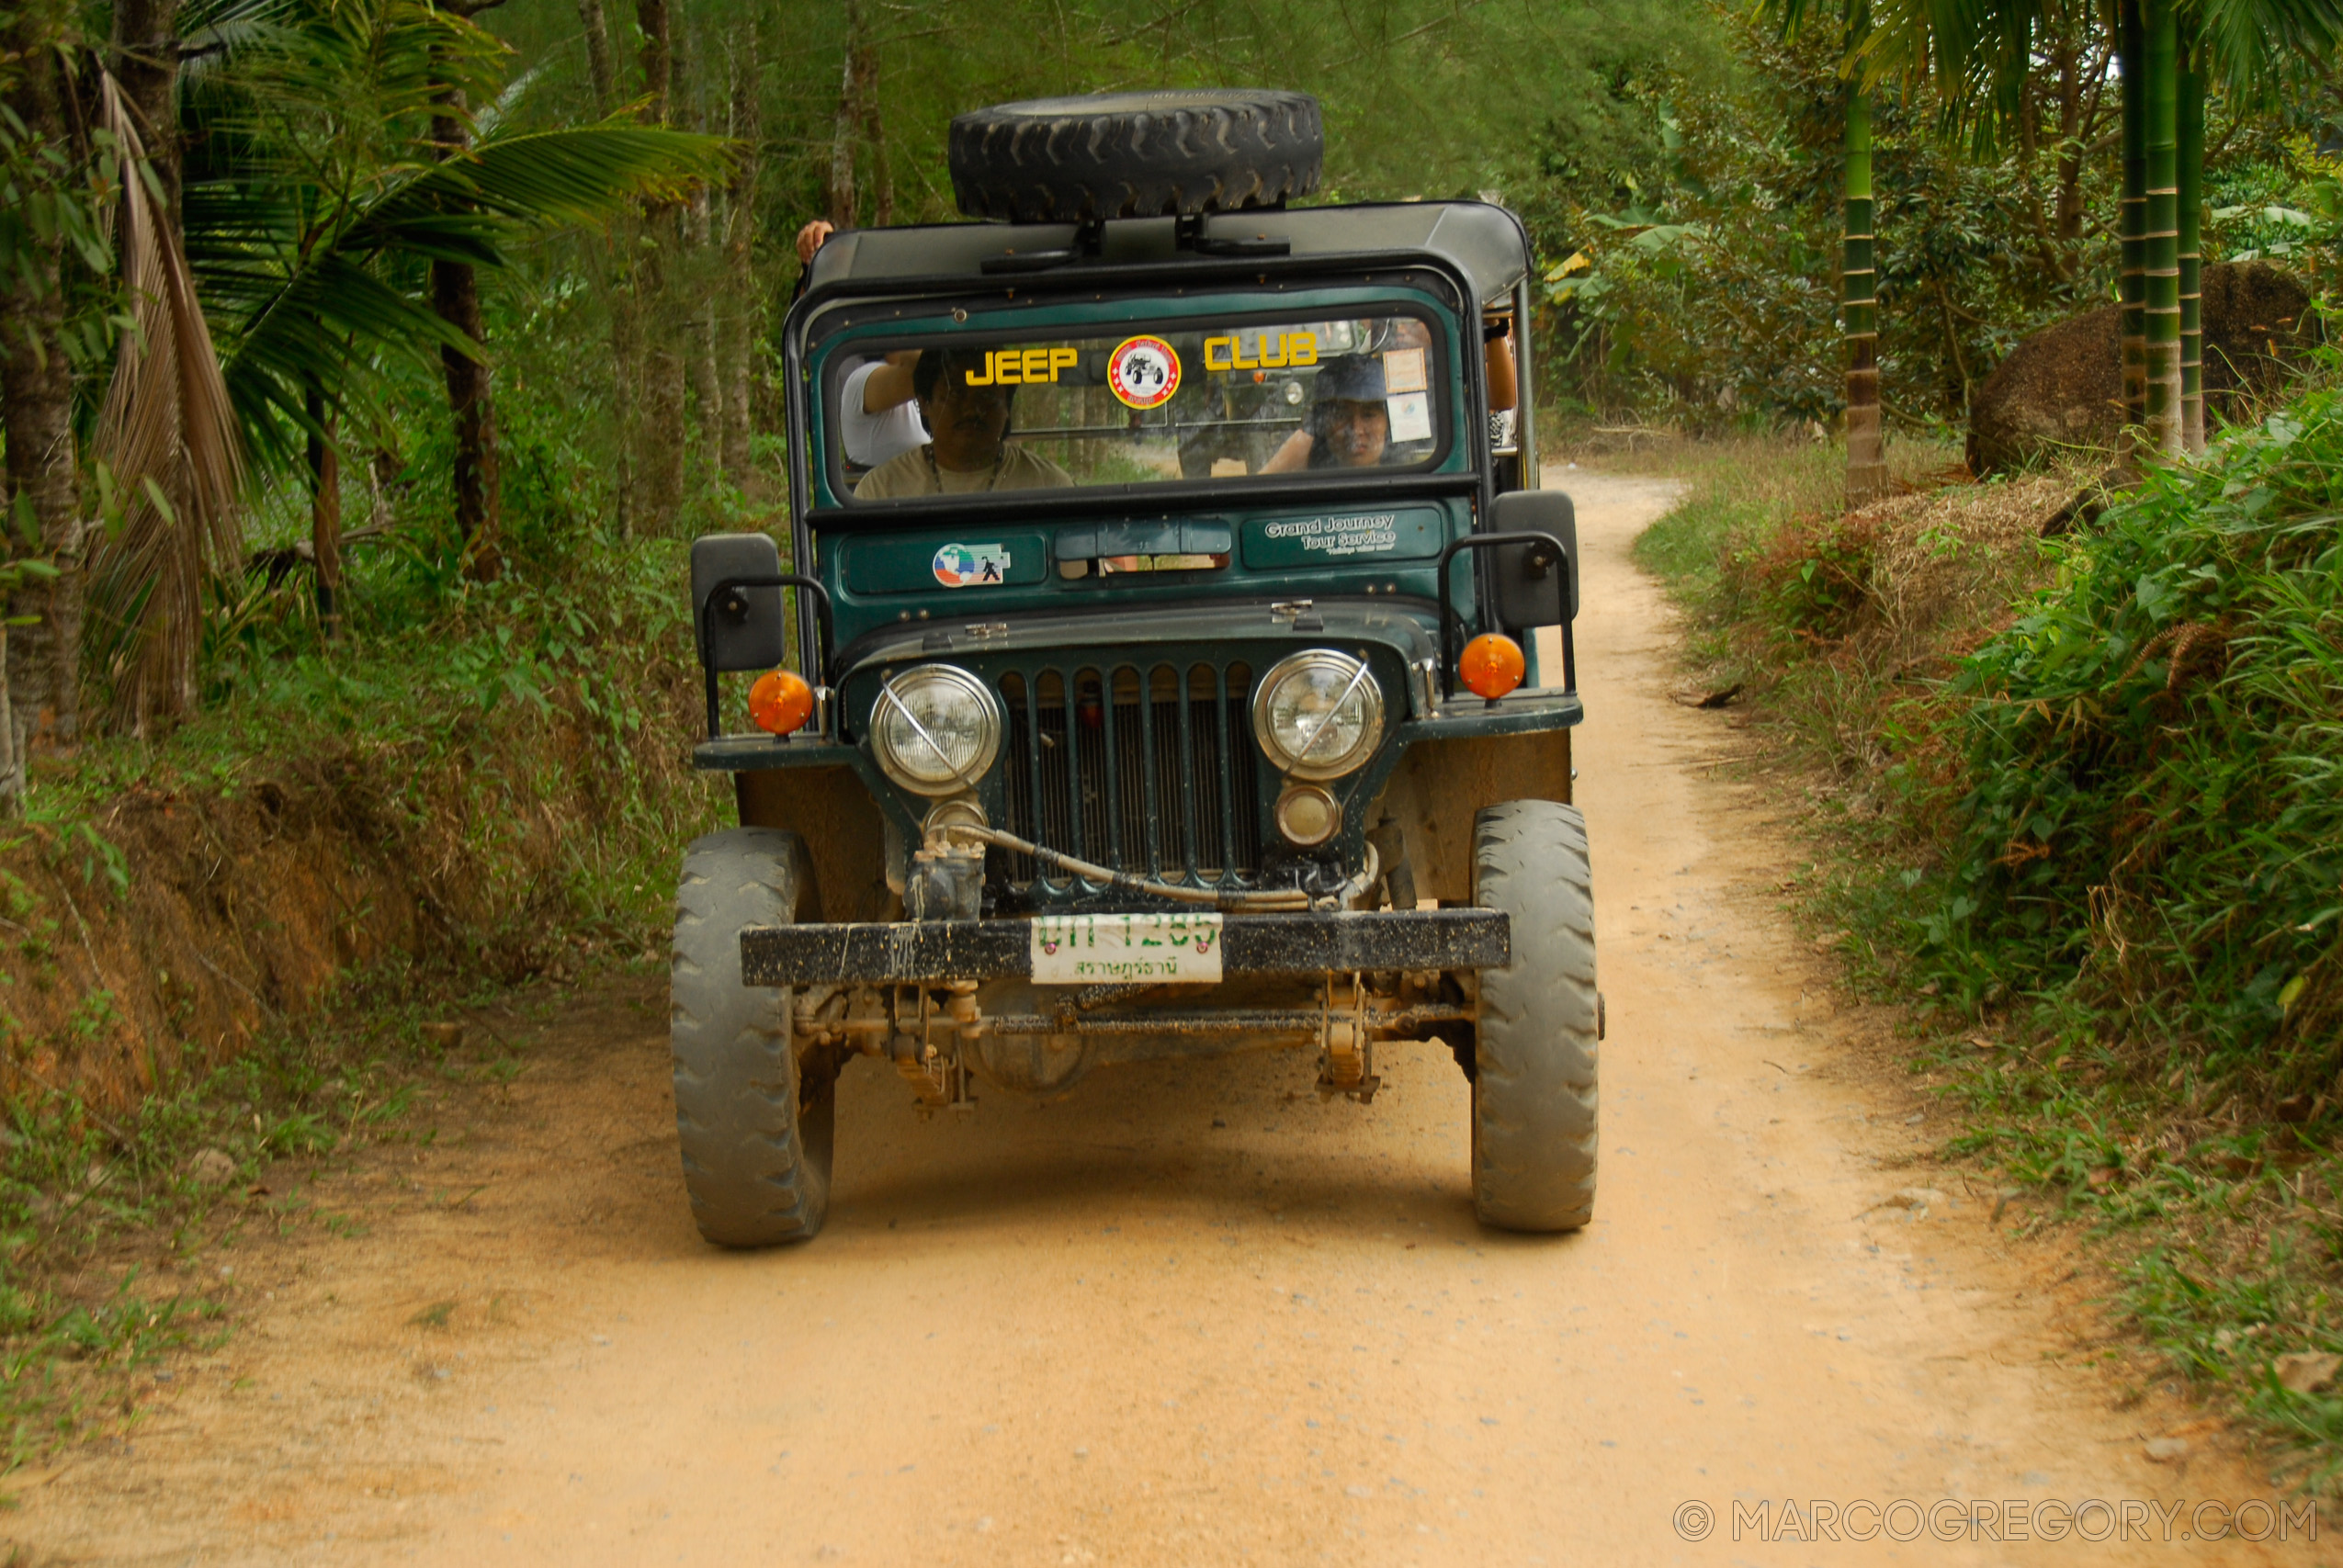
582	175
168	433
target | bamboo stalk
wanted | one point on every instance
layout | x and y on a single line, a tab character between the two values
2191	202
2161	238
2132	220
1866	464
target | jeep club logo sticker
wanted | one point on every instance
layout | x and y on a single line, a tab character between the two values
1144	372
972	566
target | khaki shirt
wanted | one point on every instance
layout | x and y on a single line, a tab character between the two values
916	472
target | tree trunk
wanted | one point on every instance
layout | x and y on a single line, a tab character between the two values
146	63
326	517
36	416
843	126
12	762
1866	457
2132	220
737	308
626	372
454	295
2070	150
865	64
658	460
698	312
2191	200
2161	241
600	66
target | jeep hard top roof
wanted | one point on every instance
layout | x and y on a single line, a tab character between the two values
1484	241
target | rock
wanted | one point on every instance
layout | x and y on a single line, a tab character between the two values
1920	1199
444	1036
2306	1371
2167	1450
213	1168
2063	387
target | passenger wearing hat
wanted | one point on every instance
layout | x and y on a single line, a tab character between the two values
1347	426
969	450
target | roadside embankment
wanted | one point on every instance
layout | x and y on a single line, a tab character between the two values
2076	799
477	798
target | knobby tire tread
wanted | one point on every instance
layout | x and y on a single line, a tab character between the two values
1135	155
756	1145
1536	1055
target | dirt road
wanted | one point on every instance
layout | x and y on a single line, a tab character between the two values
1188	1315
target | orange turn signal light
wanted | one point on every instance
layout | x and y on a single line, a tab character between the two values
780	702
1492	665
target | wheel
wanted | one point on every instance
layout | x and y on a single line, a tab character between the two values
756	1128
1533	1086
1136	154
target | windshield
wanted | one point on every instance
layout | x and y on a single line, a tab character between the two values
1198	403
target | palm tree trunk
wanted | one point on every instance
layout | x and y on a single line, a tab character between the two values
325	516
2191	197
1866	464
2161	247
2131	216
454	296
36	415
479	505
146	63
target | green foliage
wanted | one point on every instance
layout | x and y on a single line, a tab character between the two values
2157	809
320	184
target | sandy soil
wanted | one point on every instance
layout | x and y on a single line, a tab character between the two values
1189	1315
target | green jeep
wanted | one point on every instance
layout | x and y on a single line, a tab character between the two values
1186	670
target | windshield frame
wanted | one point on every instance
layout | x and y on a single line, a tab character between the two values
1421	291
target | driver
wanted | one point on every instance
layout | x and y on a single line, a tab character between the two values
1347	426
969	448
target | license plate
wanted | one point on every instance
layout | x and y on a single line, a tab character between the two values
1088	950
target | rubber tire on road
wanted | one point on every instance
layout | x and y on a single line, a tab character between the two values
756	1140
1533	1088
1136	154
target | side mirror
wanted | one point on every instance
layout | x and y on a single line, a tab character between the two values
1527	583
745	631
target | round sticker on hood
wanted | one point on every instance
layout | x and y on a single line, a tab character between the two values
1144	372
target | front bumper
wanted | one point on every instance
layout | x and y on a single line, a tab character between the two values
913	952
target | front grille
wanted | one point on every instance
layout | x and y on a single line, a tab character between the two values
1146	769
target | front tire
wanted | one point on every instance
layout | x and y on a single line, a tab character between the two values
1534	1085
756	1132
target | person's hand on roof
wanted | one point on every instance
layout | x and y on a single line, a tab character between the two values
812	237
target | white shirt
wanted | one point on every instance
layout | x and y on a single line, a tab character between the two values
870	439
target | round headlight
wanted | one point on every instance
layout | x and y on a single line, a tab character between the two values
1318	715
935	729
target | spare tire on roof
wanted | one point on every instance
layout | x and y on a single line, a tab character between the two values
1136	154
